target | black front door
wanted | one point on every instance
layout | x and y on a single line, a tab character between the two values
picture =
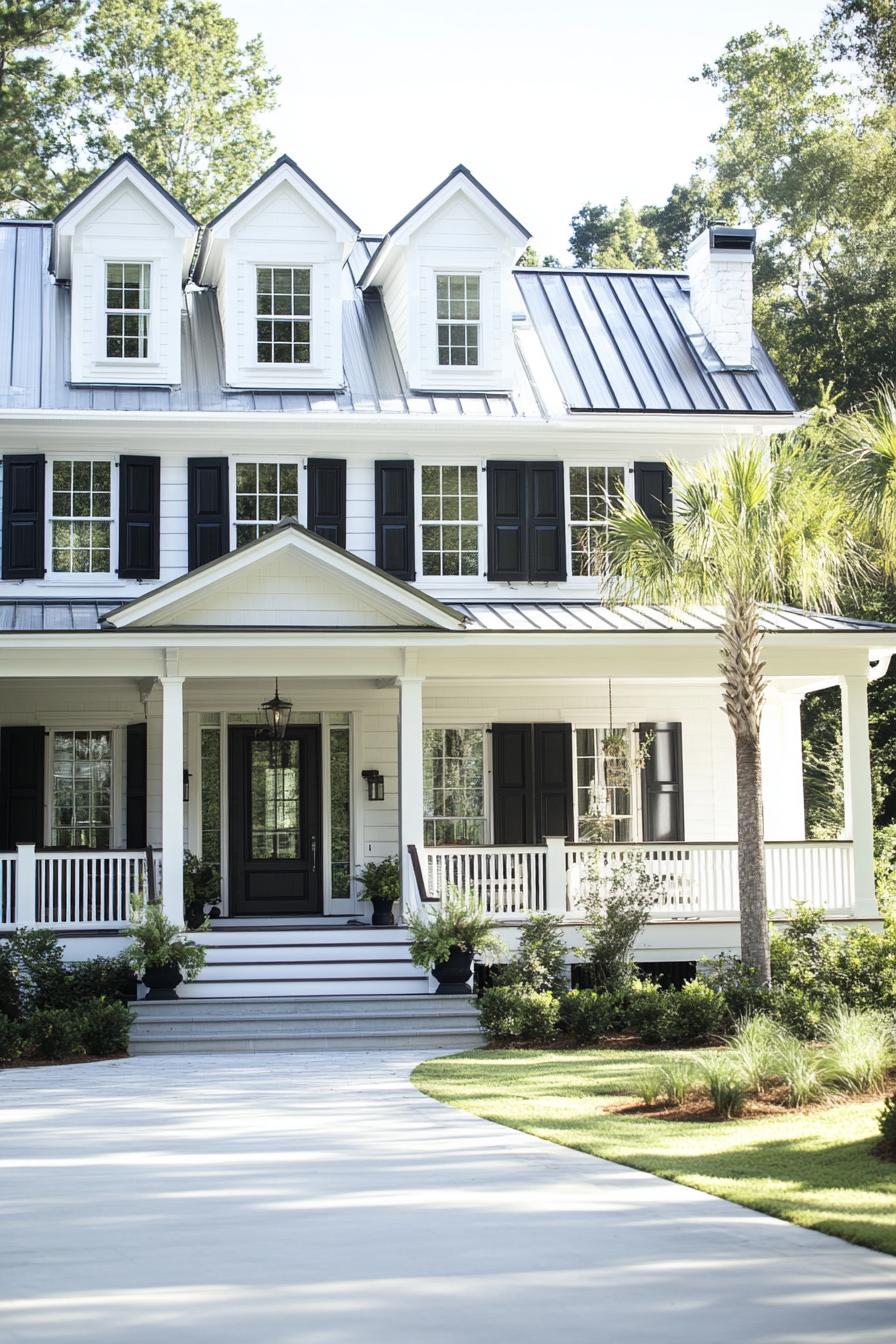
275	823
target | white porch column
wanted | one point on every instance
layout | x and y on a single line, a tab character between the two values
410	774
173	797
857	802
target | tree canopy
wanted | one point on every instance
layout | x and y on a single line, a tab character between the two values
166	80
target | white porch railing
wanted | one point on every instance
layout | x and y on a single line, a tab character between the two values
695	881
77	889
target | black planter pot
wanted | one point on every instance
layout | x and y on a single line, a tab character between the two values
382	913
162	981
454	974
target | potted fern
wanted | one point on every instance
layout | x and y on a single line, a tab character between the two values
447	941
159	952
380	884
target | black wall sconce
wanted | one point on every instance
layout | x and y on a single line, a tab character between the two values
186	786
376	785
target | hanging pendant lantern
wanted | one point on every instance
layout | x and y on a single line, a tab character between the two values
276	715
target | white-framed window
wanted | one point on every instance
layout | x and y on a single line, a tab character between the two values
283	314
81	771
127	309
457	319
454	786
449	509
591	494
80	519
605	797
266	492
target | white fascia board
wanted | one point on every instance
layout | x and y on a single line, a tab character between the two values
459	185
340	565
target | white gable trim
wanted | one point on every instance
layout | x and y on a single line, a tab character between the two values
405	605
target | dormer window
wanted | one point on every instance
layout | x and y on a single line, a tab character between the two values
283	314
127	309
457	317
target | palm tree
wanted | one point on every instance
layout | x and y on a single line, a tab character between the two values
754	525
864	443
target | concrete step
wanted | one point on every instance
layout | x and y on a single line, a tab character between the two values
355	1006
234	986
458	1039
340	936
369	1024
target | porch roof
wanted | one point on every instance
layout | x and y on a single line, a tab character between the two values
84	614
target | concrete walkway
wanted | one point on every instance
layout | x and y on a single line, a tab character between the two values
321	1200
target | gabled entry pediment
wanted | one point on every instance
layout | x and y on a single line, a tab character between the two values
288	579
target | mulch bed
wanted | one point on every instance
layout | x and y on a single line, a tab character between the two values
699	1109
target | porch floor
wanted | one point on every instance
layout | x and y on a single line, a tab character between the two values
321	1198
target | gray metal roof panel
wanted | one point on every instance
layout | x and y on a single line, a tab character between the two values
614	340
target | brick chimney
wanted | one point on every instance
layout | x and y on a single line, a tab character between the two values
720	269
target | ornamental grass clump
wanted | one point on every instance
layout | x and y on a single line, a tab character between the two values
755	1049
679	1081
649	1087
859	1049
801	1071
725	1085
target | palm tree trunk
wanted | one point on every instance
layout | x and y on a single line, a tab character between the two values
743	683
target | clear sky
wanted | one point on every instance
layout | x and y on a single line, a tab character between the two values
550	103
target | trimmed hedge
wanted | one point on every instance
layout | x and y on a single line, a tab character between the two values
511	1013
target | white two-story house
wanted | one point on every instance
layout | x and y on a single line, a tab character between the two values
372	473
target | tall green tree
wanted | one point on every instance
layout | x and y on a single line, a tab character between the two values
38	153
865	31
188	94
616	240
749	527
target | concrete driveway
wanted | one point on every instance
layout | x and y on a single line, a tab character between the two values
321	1199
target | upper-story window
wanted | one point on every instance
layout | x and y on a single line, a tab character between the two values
283	309
592	491
457	317
265	493
127	309
81	517
449	499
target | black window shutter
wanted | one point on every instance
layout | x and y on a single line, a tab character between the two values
653	491
208	510
23	516
547	529
552	757
135	786
512	783
326	499
138	517
662	790
21	786
508	548
395	518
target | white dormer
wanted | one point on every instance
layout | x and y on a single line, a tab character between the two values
125	245
445	272
275	257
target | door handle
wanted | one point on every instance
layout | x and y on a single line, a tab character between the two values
314	853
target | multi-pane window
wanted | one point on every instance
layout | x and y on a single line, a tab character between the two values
127	309
340	812
283	314
454	786
457	318
605	797
82	789
592	491
265	493
450	509
81	517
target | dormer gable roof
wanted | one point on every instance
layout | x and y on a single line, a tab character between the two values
124	169
345	591
284	170
459	179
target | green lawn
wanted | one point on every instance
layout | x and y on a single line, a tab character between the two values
813	1168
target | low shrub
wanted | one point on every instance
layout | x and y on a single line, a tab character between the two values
100	978
586	1015
686	1016
801	1071
725	1086
860	1049
645	1012
540	963
32	973
754	1049
510	1013
886	1123
105	1026
10	1039
616	899
797	1010
54	1033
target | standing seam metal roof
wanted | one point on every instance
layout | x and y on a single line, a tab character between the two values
615	341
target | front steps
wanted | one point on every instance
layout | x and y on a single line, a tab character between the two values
404	1021
282	961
